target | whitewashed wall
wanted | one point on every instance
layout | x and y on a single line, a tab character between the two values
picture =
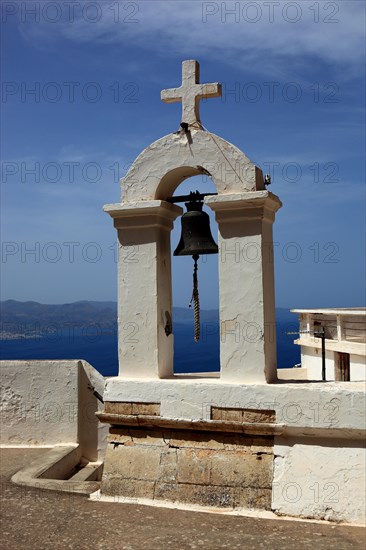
320	480
47	403
311	359
357	367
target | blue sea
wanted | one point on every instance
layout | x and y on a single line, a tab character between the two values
100	350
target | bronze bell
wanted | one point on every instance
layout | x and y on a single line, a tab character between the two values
196	235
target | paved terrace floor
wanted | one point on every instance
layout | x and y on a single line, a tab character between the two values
45	519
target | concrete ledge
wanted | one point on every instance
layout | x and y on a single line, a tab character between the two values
346	346
292	374
55	470
260	428
298	405
250	428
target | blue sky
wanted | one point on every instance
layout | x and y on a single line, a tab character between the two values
293	101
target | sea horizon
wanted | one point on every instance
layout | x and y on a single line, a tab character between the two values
101	349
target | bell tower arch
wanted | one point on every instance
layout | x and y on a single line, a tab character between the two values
245	212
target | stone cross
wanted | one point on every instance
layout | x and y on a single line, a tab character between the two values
190	92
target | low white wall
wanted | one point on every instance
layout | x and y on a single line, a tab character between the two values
319	405
320	480
49	403
357	367
311	359
292	374
320	457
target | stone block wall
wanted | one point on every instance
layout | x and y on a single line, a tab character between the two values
215	469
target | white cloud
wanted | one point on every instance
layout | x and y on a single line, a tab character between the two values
263	36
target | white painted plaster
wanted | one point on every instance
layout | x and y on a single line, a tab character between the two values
246	281
47	403
163	165
298	405
311	360
321	480
311	414
320	453
345	332
52	470
245	213
357	367
144	287
297	373
358	311
247	309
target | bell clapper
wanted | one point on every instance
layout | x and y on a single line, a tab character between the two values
196	301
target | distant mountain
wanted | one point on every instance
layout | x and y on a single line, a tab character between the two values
28	318
12	311
24	318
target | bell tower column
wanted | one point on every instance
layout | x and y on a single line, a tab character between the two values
145	339
246	285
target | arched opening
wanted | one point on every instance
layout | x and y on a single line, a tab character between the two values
204	355
173	179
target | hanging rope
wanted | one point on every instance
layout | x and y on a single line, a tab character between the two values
196	301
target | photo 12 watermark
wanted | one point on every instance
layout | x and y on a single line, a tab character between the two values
66	172
271	12
279	92
36	92
92	252
73	12
71	252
